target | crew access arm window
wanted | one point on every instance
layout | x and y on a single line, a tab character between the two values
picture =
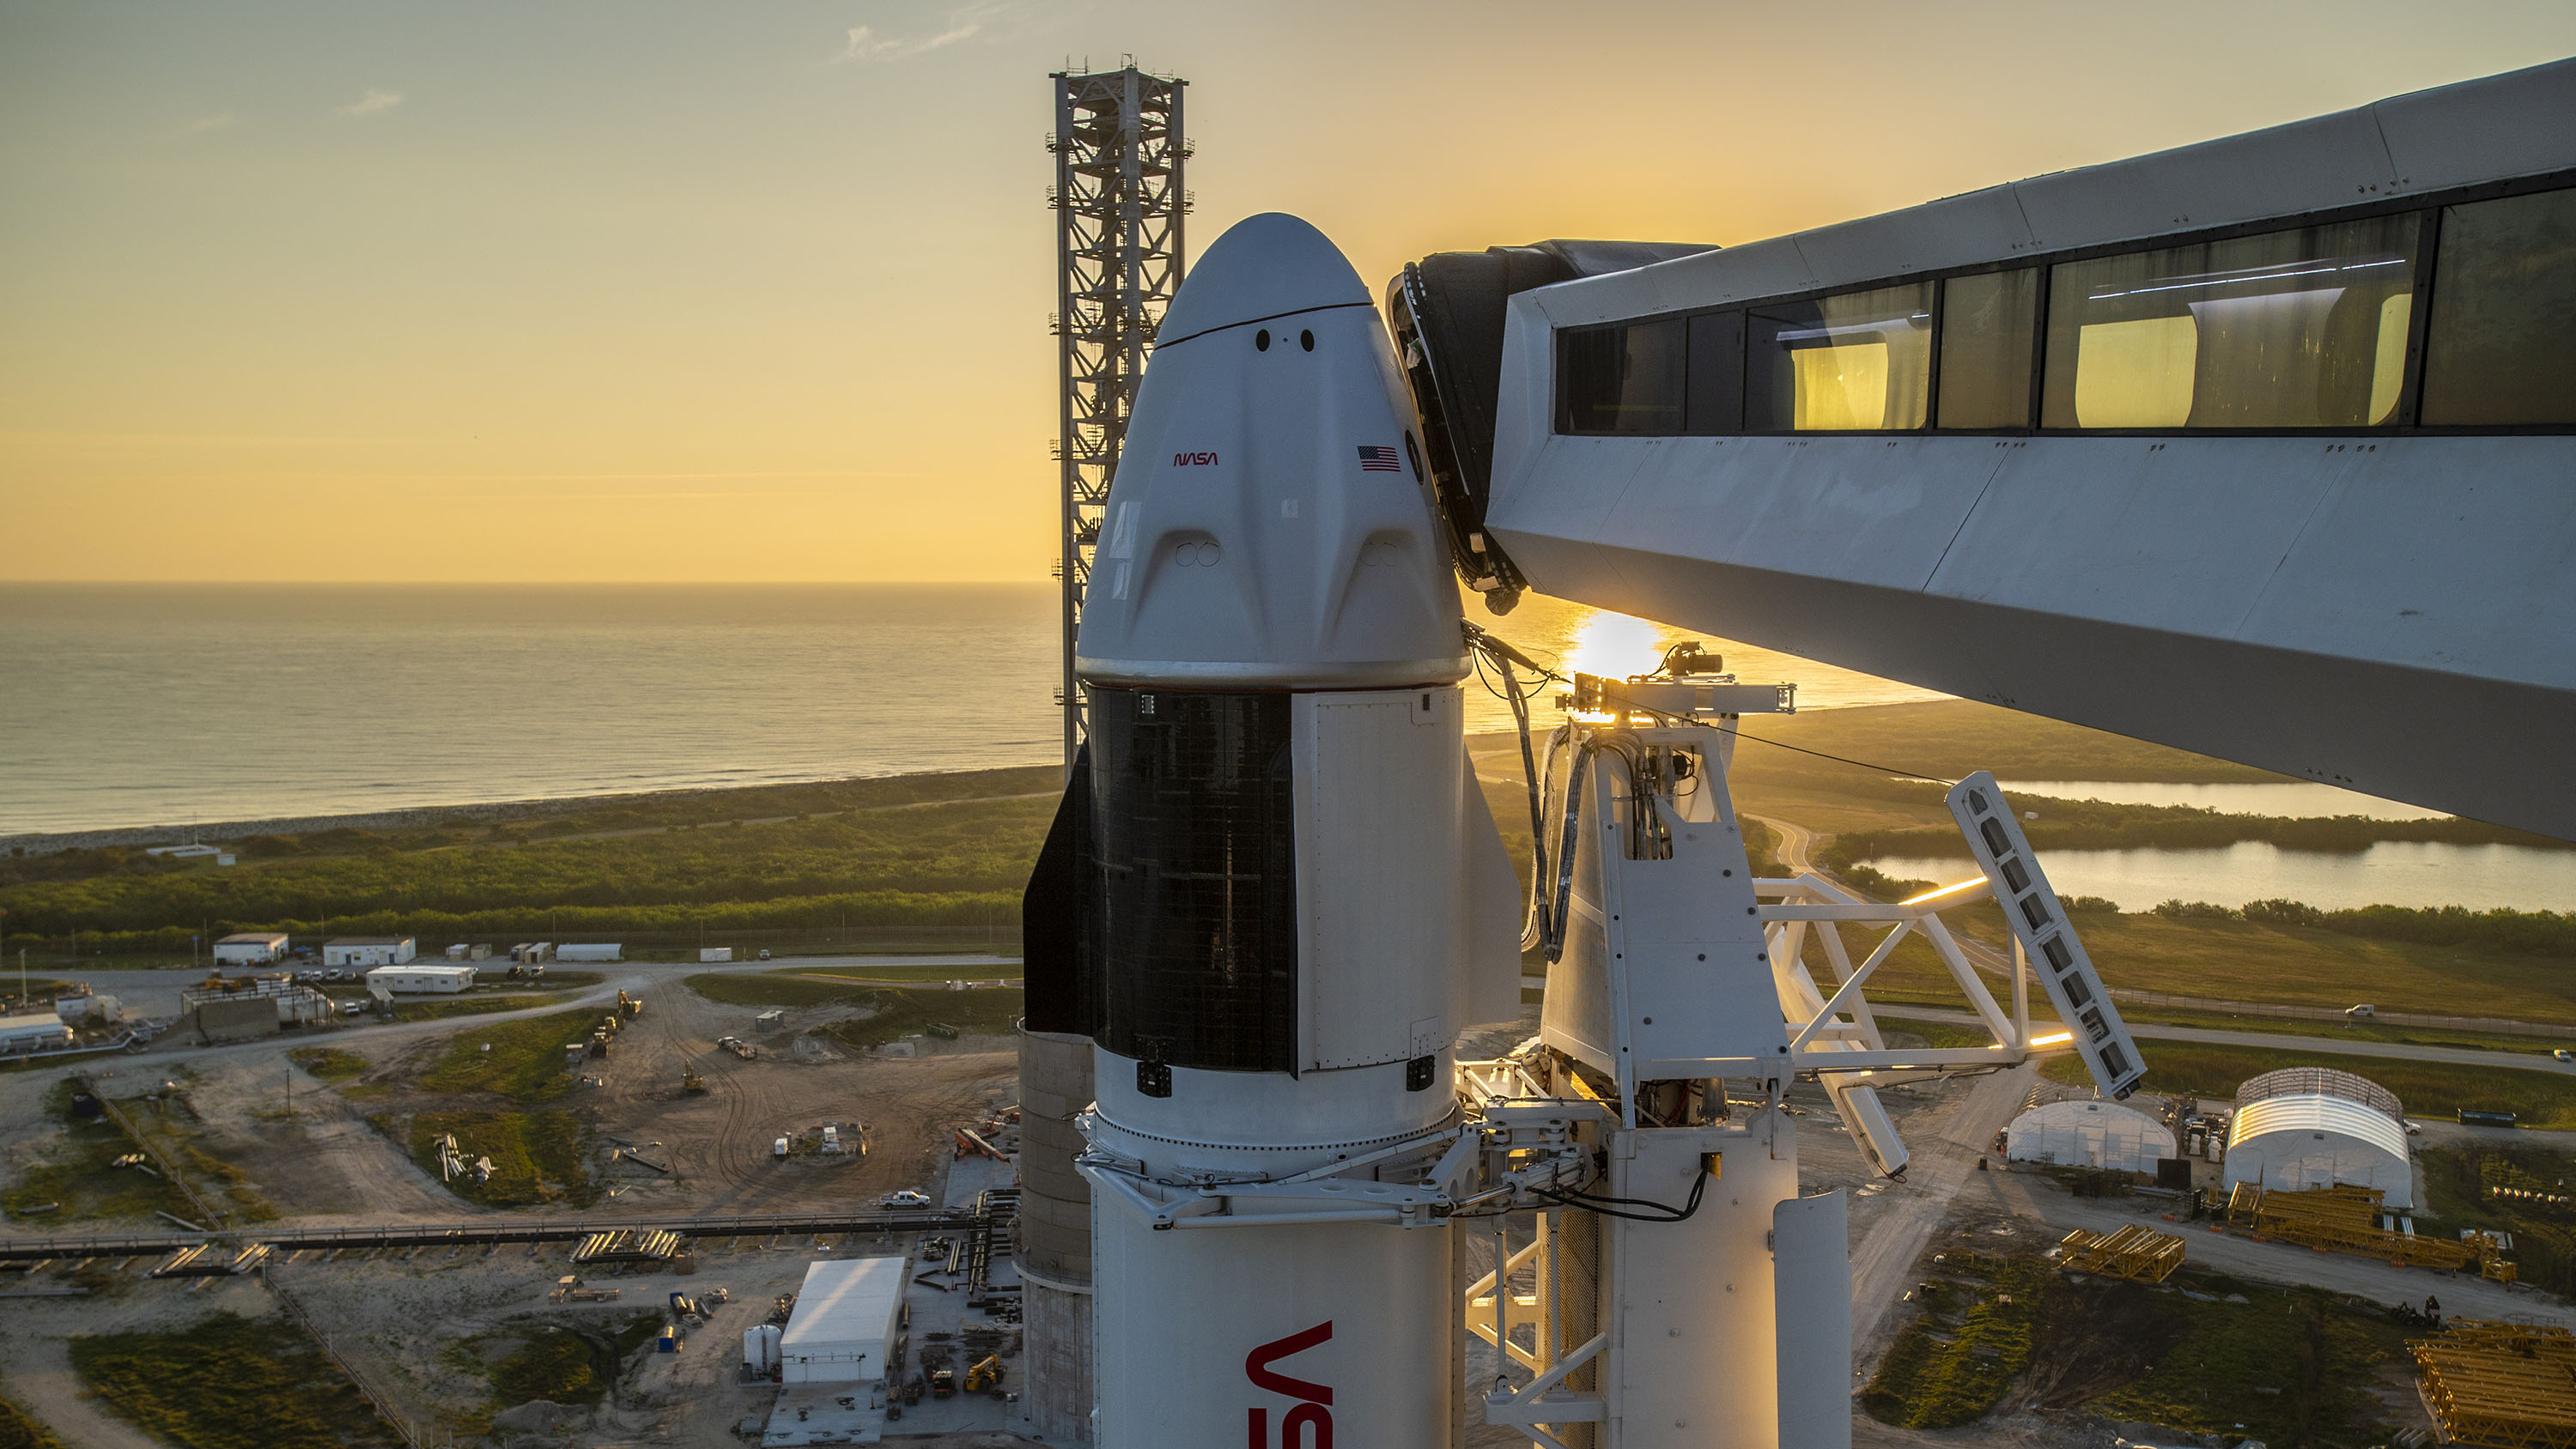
2322	327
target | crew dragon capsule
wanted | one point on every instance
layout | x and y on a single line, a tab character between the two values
1273	896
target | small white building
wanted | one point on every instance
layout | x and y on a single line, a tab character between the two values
88	1008
411	980
41	1031
2079	1133
250	948
367	951
844	1320
596	951
2318	1139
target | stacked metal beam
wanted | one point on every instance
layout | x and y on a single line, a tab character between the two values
2505	1384
2139	1254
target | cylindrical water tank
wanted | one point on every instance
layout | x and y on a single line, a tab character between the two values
760	1348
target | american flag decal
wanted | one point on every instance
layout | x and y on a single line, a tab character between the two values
1378	460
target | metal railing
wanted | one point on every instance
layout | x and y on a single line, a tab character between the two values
493	1232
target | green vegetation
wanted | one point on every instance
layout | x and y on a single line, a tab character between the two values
561	1364
1954	1363
2518	1189
900	1014
229	1382
329	1064
2097	825
769	988
1935	1033
848	854
2203	1353
1946	739
2286	1365
537	1157
19	1429
80	1173
524	1061
2429	1089
441	1009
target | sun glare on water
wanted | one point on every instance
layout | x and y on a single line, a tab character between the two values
1615	646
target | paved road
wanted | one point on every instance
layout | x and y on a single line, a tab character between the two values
2278	1041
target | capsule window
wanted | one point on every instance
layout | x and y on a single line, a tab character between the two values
1306	340
1261	340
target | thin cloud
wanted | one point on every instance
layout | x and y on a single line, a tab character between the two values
963	23
215	122
374	102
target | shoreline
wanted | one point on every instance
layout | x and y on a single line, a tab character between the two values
413	817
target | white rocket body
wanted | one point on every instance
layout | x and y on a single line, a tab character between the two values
1295	897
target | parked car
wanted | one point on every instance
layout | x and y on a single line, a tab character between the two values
2564	1055
2361	1013
764	955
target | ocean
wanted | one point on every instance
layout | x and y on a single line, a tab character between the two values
162	705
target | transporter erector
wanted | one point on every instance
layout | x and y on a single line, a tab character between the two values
1274	898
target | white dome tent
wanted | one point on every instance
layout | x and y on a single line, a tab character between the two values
2080	1133
2311	1127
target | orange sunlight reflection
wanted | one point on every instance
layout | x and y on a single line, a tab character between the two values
1615	646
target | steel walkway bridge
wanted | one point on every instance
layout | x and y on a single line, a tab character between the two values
497	1231
2264	448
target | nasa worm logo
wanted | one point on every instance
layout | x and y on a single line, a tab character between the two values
1314	1412
1194	460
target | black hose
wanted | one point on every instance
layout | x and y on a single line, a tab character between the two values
1670	1214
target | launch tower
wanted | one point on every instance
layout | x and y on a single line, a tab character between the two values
1119	205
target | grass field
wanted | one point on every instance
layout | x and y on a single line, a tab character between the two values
441	1010
79	1172
766	988
2283	1365
229	1382
18	1430
329	1064
562	1364
537	1157
525	1060
2429	1089
910	1013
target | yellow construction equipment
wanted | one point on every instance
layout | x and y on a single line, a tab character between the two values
984	1375
629	1007
2510	1384
690	1081
2343	1219
2139	1254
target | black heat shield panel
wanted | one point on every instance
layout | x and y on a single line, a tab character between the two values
1055	917
1447	313
1193	829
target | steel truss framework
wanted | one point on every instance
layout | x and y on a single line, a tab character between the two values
1119	204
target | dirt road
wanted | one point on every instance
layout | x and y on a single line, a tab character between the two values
1883	1258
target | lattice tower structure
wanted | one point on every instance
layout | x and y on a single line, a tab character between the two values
1120	207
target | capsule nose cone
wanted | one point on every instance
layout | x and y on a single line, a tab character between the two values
1264	266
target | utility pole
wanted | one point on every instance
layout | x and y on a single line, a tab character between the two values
1119	204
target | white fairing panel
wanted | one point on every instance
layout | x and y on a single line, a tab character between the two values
1811	1268
1269	526
1494	912
1695	1296
1382	929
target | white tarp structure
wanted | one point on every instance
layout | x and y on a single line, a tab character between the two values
844	1320
2317	1140
2078	1133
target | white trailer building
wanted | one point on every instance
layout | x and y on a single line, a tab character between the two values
595	951
844	1321
411	980
2078	1133
250	948
367	951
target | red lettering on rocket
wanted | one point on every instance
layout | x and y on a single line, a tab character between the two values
1308	1425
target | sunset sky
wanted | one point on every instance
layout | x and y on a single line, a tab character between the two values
583	291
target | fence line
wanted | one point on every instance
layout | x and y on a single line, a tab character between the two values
411	1432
